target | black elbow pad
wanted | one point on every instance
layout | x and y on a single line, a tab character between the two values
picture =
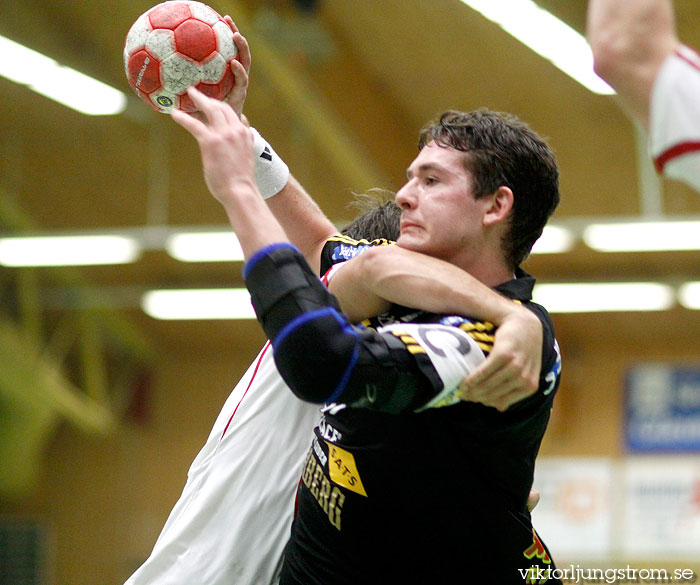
316	355
282	286
314	345
325	359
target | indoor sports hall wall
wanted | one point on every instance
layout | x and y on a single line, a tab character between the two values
102	502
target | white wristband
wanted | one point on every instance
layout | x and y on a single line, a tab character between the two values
271	172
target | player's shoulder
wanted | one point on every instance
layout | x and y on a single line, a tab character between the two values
340	248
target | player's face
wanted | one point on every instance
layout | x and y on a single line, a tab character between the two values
440	217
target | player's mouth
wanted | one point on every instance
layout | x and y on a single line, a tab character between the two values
406	226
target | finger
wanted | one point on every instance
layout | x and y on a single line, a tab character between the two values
239	74
243	54
236	98
503	404
507	392
232	25
497	385
188	122
507	400
494	394
493	364
482	378
213	110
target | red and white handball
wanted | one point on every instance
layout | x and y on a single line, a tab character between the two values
174	45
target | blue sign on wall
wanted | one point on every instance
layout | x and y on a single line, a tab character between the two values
662	410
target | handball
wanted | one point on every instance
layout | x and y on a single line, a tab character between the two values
175	45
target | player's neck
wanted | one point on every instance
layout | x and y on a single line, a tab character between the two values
491	269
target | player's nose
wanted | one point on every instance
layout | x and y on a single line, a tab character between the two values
405	197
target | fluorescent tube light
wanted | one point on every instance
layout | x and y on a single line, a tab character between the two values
224	246
689	295
547	36
198	304
204	247
58	82
68	250
643	236
600	297
554	240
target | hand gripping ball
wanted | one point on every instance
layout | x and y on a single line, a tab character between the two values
174	45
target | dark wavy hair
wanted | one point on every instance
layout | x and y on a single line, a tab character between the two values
501	150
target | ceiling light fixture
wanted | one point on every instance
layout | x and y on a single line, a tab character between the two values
643	236
554	240
198	304
603	297
58	82
68	250
547	36
689	295
204	247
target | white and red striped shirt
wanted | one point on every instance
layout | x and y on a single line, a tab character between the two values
674	126
233	518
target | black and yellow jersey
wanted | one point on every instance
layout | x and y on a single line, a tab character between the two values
433	497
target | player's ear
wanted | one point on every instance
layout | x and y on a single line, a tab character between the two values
500	203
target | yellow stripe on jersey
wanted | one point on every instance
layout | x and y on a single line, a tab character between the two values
482	332
470	326
348	240
414	349
411	344
485	346
477	336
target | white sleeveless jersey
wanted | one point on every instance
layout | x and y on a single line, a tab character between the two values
674	125
232	521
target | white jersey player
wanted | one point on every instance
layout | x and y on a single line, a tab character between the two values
636	50
232	520
674	124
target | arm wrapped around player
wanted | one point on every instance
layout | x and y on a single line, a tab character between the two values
323	358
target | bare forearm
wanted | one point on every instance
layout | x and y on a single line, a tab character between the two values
385	275
630	41
411	279
306	226
252	221
356	298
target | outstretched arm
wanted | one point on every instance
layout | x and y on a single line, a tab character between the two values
369	283
630	41
306	226
226	147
